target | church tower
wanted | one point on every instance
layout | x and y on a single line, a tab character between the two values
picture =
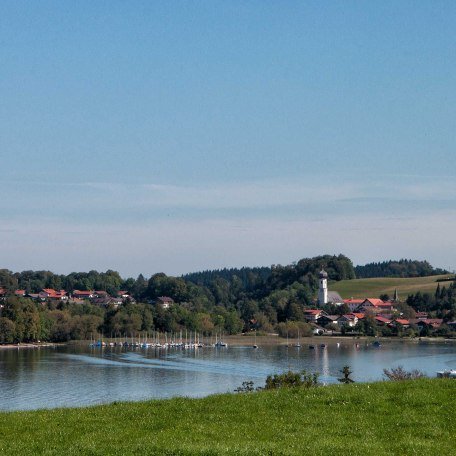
323	288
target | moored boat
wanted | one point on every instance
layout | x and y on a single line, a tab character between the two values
448	373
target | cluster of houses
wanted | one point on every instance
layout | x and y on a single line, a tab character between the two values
383	313
98	297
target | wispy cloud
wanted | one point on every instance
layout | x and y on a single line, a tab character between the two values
311	194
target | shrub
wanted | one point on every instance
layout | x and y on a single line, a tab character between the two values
399	373
291	379
246	387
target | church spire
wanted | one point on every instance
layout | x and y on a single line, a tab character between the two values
396	295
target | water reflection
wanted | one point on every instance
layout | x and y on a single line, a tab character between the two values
71	376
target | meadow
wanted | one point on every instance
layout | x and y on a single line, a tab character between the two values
384	418
373	288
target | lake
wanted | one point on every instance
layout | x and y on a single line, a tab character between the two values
69	376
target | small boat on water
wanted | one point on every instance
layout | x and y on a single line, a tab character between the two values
376	344
311	347
322	345
448	373
298	344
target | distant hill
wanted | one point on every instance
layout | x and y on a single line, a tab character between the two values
401	268
374	287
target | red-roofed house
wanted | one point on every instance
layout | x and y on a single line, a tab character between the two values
19	292
83	294
376	306
401	322
432	323
313	315
382	321
50	293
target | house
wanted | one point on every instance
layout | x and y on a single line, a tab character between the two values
20	293
400	323
165	301
349	320
431	323
376	306
312	315
382	321
123	294
353	304
55	295
78	294
325	320
100	294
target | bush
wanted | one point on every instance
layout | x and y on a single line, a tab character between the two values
291	379
399	373
246	387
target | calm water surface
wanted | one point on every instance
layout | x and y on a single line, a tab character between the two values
72	376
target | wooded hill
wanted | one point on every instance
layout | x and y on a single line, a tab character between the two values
229	301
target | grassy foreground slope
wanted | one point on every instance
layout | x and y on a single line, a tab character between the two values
385	418
373	288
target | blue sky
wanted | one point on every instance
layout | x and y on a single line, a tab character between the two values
179	136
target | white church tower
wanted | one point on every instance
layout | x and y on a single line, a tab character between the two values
323	288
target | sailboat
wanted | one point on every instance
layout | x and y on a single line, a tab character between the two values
298	345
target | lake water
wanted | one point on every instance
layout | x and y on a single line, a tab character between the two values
78	376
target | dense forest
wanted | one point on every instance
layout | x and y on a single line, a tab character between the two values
402	268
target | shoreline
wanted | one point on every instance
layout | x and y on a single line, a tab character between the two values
240	340
28	345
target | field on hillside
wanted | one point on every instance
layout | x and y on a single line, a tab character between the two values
373	288
384	418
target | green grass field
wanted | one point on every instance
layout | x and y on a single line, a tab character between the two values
385	418
373	288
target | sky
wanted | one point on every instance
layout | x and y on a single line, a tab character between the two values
182	136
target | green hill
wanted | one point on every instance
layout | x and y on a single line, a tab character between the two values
384	418
373	288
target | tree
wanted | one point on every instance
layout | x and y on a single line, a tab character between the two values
346	378
7	331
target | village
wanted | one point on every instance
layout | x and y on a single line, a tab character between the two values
350	316
382	314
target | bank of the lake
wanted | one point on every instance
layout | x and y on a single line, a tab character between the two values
384	418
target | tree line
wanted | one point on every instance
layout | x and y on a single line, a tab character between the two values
402	268
206	302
